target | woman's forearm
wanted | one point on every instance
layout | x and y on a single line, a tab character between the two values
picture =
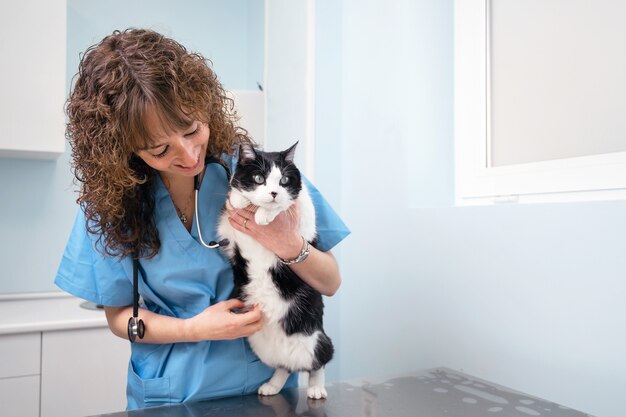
217	322
159	328
320	271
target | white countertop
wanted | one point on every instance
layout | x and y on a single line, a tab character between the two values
37	312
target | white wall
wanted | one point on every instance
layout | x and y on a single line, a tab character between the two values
530	296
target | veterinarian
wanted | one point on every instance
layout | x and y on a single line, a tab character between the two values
145	117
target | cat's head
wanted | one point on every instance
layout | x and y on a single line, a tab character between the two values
267	179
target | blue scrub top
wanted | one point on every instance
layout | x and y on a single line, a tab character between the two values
182	280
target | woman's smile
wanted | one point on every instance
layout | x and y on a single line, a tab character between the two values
193	168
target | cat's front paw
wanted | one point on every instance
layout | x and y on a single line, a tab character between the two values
264	217
268	389
316	392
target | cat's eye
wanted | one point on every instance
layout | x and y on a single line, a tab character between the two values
284	180
259	179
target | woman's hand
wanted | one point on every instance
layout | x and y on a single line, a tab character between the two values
281	235
218	322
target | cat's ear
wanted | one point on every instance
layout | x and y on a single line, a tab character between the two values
290	153
246	153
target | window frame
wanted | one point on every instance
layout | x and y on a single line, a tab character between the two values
587	178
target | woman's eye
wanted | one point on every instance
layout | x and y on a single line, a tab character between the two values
259	179
162	154
194	132
284	180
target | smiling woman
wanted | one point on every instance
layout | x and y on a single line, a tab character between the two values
140	82
146	118
177	156
179	151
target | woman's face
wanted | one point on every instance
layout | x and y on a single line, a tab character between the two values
180	153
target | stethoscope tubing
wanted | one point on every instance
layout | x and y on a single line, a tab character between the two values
136	327
212	244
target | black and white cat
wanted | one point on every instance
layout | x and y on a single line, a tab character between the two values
292	338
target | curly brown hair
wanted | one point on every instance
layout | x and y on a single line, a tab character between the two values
119	80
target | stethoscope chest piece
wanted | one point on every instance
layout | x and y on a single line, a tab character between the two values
136	329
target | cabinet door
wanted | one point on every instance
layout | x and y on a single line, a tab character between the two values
83	372
19	396
19	354
32	78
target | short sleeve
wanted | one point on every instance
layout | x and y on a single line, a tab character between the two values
330	228
86	273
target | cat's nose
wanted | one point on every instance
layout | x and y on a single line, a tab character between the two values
274	194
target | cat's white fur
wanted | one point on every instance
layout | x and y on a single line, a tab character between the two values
273	346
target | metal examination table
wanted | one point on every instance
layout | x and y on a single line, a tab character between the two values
438	392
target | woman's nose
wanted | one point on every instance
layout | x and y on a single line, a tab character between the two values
188	150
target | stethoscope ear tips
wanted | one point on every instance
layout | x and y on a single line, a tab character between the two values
136	329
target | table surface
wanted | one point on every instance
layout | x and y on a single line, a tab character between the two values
438	392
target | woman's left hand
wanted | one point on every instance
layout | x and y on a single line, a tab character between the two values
280	236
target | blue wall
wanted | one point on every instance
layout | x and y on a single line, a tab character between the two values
230	33
37	199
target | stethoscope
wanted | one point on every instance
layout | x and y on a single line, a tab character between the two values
136	327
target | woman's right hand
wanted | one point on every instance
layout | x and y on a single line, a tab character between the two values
218	322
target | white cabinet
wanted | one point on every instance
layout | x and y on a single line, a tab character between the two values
19	374
32	78
58	359
83	372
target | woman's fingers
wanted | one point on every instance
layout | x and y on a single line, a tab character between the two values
242	219
232	304
242	225
245	314
246	212
219	322
250	315
250	321
256	321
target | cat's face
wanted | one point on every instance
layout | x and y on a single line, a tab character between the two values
267	179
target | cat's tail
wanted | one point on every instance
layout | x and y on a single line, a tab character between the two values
324	351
